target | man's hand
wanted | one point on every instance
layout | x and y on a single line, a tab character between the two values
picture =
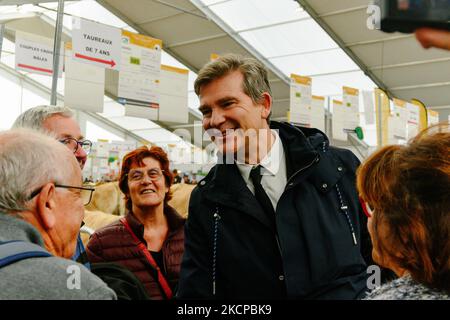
433	38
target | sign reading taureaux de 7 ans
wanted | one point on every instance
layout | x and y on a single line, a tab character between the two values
95	43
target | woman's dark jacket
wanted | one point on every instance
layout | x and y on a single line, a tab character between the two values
114	243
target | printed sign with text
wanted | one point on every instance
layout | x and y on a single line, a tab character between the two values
96	43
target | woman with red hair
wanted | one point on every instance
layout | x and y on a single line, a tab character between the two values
405	192
149	240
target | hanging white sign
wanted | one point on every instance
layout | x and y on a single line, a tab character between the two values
139	77
96	43
300	100
318	113
34	54
432	117
413	120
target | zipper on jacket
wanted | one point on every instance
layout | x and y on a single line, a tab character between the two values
216	222
344	210
300	170
287	184
343	207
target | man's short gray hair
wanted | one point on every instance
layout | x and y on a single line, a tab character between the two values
28	160
34	118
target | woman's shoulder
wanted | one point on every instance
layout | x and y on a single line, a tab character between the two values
406	288
113	227
107	236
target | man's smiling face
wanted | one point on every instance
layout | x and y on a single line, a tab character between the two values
232	113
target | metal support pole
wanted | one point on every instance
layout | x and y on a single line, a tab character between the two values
56	52
379	120
2	32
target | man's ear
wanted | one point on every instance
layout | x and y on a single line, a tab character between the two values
266	102
46	205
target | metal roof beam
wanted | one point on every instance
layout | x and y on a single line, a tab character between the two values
439	107
302	53
421	86
409	64
198	40
160	18
334	13
362	43
275	24
183	10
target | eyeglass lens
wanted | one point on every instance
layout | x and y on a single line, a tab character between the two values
138	175
73	144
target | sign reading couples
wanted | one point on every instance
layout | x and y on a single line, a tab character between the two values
34	54
96	43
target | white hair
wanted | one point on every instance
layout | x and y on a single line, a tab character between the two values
28	160
34	118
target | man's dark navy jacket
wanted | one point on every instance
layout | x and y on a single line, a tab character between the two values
231	247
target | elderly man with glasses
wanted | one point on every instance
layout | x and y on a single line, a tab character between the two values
41	209
59	122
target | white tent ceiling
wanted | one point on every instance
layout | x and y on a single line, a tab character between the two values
395	61
287	38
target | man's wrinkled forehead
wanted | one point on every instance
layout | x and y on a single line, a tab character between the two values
63	127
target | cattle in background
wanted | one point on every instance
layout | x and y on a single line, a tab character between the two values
181	194
94	220
109	199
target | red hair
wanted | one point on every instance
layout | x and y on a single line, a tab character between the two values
408	187
136	157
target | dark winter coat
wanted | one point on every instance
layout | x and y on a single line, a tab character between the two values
114	243
231	250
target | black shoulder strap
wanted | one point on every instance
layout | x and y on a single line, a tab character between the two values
12	251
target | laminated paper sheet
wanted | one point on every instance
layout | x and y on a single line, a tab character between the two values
84	87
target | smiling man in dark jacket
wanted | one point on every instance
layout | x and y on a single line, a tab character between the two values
279	216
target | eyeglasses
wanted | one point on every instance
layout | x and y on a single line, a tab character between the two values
74	144
85	193
368	211
137	175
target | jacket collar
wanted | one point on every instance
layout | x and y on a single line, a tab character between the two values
174	220
305	144
227	188
14	228
306	154
298	149
225	185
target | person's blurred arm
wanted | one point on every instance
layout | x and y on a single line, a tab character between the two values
433	38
